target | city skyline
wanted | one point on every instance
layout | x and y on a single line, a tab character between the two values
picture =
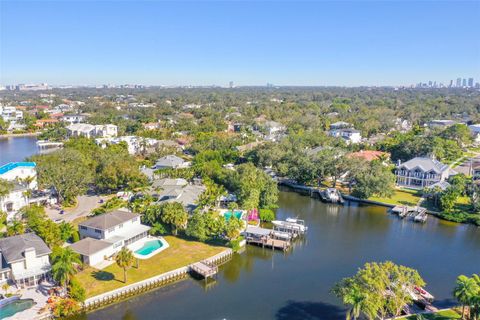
249	43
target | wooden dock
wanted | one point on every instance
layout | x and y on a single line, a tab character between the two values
204	269
270	243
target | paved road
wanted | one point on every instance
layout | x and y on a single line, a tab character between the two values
86	204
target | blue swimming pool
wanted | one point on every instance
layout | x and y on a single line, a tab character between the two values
12	308
228	214
149	247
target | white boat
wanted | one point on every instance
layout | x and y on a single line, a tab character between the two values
290	226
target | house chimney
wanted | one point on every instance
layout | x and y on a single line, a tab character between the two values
399	162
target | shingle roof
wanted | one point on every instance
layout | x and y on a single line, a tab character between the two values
169	161
109	220
89	246
13	248
424	163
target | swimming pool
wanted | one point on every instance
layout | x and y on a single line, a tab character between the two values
228	215
12	308
149	247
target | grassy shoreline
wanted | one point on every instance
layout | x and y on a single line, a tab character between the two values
181	253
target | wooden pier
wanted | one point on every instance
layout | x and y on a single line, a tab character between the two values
417	214
270	243
204	269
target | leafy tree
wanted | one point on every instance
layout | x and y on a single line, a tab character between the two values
5	187
76	291
175	215
196	227
233	228
267	215
366	291
67	170
15	227
376	179
448	198
124	259
63	261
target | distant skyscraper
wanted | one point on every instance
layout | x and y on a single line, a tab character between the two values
470	82
464	82
230	84
430	84
451	84
459	83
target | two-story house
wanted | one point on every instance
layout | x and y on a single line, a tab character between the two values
24	259
349	135
104	235
421	172
90	131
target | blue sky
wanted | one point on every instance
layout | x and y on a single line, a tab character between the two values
250	43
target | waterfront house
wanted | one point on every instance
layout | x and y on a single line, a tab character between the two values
104	235
9	113
421	172
91	131
73	118
24	259
171	162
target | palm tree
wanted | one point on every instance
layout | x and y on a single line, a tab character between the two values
124	259
355	299
464	291
63	260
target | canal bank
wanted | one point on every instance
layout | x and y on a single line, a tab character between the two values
266	284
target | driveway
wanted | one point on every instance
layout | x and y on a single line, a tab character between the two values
85	205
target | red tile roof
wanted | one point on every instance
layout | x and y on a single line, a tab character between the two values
369	155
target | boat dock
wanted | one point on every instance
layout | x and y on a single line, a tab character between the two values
294	227
417	214
266	238
204	269
42	144
331	195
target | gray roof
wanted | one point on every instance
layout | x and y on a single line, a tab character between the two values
13	248
168	182
171	161
109	220
89	246
187	195
425	164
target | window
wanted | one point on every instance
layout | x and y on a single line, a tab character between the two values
120	226
98	231
83	228
111	229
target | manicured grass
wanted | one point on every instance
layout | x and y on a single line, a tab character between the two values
441	315
180	253
401	197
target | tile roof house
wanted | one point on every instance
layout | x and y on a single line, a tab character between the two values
24	259
370	155
421	172
104	235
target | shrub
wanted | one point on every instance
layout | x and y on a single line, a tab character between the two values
267	215
76	291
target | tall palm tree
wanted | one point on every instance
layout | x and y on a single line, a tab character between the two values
63	260
356	301
464	291
124	259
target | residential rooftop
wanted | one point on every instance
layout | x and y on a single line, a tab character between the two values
13	248
13	165
109	220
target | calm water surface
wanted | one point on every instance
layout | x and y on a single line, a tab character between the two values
261	284
17	149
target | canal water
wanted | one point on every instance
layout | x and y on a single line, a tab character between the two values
17	148
261	284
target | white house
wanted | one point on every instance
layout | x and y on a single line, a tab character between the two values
73	118
14	201
104	235
24	259
91	131
421	172
349	135
9	113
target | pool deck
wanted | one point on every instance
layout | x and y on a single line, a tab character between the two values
139	244
39	294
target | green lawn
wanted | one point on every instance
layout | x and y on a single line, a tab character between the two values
442	315
401	197
180	253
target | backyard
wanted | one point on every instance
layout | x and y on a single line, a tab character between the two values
406	197
441	315
180	253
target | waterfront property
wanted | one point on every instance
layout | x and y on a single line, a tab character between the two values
24	259
104	235
180	253
421	172
177	190
15	171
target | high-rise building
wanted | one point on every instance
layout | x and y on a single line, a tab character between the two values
230	84
470	82
464	82
451	84
430	84
459	83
